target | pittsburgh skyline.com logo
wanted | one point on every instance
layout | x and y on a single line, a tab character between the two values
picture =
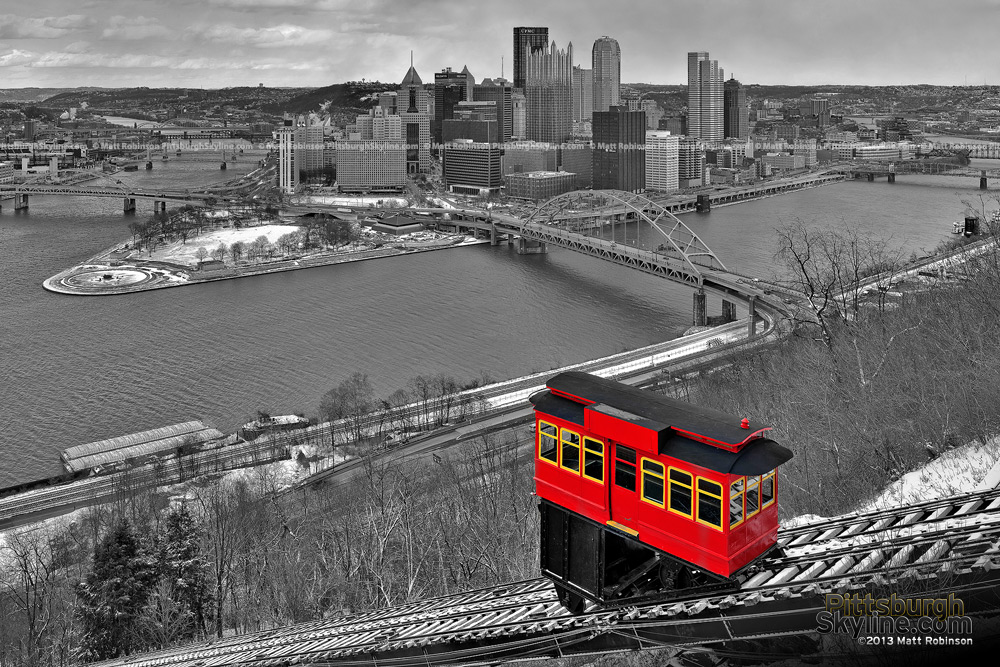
896	620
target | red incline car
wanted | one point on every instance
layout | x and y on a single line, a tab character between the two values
643	494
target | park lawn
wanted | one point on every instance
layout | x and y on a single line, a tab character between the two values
186	253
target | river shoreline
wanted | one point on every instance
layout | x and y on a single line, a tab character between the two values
99	276
96	278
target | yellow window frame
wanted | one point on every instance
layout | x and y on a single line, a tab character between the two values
554	437
696	502
753	485
689	486
642	481
598	452
774	488
563	443
733	496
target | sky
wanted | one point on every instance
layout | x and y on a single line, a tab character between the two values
220	43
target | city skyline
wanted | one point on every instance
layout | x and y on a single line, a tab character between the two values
221	43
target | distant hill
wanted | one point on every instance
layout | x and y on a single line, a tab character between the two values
33	94
353	96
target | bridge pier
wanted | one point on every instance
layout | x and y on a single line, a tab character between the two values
982	180
494	237
159	206
871	177
892	177
129	205
529	247
700	317
703	204
728	311
752	322
20	201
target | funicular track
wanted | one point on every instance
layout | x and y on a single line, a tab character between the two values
931	548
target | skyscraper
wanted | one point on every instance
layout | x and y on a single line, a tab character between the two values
535	38
413	107
607	72
583	93
662	161
373	157
737	124
549	94
498	91
450	88
619	149
705	98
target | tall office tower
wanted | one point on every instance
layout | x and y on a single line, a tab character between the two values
661	161
309	149
414	114
498	91
389	101
549	94
373	158
287	174
737	123
472	114
653	113
619	150
690	163
519	116
583	93
534	38
450	88
705	97
607	72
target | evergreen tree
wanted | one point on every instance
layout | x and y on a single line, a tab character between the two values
112	599
179	604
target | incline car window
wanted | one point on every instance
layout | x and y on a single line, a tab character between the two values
680	492
625	467
652	482
709	502
593	459
767	489
548	448
736	502
570	450
753	497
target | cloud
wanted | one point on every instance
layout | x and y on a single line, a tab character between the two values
247	5
136	28
285	35
48	27
15	57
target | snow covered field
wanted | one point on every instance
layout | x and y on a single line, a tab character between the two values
185	253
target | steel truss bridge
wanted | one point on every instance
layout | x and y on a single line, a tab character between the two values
607	224
929	549
626	229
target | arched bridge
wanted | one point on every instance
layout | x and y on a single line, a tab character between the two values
623	228
597	223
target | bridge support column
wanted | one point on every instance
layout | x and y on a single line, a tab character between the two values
752	322
20	201
529	247
892	177
982	180
728	311
159	207
494	238
871	177
700	318
129	205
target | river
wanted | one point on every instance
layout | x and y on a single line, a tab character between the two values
78	369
